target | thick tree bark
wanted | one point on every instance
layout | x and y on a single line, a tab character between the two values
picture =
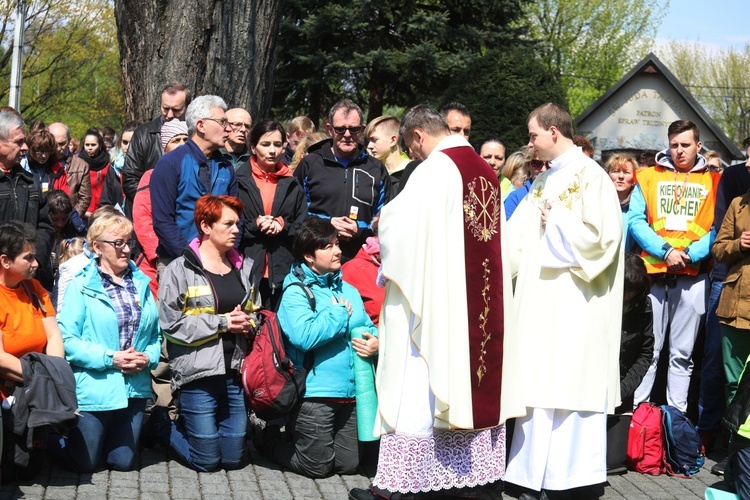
227	48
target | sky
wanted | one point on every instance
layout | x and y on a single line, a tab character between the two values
716	23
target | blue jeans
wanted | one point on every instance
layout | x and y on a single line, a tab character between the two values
712	401
211	429
113	434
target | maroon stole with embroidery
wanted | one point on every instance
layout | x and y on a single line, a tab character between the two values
484	282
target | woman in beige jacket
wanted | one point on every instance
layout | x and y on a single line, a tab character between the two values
732	247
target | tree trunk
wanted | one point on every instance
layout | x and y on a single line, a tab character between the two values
227	48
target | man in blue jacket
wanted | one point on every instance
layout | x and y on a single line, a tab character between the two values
187	173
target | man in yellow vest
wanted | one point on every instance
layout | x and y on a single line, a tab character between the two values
670	217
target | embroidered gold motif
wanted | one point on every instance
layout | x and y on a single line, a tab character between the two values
573	193
486	336
482	209
567	197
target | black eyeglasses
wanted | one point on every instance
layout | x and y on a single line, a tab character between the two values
223	122
120	244
352	130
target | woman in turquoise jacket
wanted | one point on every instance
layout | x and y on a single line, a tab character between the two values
325	425
110	332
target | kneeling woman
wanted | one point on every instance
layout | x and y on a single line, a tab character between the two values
325	426
202	295
110	331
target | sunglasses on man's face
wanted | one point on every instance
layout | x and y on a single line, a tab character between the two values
352	130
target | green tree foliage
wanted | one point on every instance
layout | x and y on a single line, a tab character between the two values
71	63
383	52
591	44
501	96
718	79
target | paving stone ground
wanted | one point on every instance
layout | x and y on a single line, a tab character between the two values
159	477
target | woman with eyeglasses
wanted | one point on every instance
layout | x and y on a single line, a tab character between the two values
50	173
275	207
110	331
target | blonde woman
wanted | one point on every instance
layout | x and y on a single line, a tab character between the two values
110	331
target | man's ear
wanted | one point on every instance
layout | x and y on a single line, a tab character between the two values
417	135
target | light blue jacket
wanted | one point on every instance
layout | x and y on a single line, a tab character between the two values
88	323
327	331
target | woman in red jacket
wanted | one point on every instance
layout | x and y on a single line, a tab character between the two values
105	186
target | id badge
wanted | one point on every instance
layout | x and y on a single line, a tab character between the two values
676	223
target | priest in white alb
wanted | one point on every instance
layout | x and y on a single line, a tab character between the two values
447	304
562	359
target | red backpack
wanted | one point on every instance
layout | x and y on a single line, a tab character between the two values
273	385
646	450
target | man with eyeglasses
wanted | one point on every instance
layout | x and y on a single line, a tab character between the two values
182	176
235	150
342	182
21	197
145	145
79	178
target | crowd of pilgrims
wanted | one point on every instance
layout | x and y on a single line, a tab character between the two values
151	282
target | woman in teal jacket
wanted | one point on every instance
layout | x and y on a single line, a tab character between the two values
110	331
325	425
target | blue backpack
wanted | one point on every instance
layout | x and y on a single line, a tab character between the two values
684	451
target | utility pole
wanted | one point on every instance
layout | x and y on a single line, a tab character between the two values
16	67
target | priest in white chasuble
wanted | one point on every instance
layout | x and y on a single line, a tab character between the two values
448	301
562	359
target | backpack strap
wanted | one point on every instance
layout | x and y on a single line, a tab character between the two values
309	360
35	300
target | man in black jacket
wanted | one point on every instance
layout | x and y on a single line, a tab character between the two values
145	146
342	182
21	197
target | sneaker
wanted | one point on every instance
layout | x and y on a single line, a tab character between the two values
718	469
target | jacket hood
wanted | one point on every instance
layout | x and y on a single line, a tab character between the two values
664	159
328	280
194	256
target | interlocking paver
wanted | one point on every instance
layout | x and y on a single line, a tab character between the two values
159	477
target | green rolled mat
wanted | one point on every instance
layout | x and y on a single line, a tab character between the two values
364	379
